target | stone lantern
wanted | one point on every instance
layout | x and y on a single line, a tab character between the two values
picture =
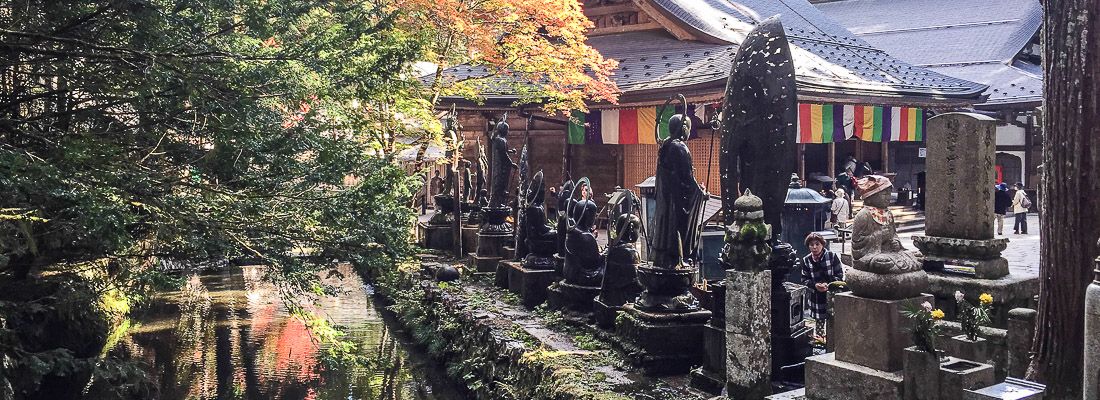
804	211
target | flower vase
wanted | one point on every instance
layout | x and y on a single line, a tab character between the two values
922	374
975	350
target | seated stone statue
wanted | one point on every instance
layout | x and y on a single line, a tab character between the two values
541	240
583	261
883	269
620	279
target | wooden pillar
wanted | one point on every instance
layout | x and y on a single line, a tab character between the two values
885	156
802	162
859	150
832	160
1029	162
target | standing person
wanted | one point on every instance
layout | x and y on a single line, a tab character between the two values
1020	205
841	209
435	186
1001	201
820	268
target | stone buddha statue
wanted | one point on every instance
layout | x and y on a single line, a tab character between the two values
565	202
620	280
541	240
883	269
583	260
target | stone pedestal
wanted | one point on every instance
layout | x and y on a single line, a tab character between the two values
437	237
830	379
872	332
978	258
870	337
504	268
711	376
563	295
928	377
663	342
748	334
490	250
469	239
531	285
604	314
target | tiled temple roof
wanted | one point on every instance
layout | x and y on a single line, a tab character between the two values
977	40
830	62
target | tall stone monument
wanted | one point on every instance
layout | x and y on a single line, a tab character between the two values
1092	335
665	322
495	229
869	330
959	248
756	159
959	220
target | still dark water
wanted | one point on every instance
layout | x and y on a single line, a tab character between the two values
227	335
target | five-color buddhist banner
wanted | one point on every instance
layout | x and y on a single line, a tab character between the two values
828	123
817	123
628	125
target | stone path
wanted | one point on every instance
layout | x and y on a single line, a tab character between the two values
1022	252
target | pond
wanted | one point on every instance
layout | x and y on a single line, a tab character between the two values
228	335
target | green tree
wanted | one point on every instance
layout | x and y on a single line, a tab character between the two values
195	130
136	134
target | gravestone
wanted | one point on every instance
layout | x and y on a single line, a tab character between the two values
959	199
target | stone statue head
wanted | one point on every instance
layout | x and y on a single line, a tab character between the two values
564	195
628	227
501	129
584	213
536	190
875	190
678	127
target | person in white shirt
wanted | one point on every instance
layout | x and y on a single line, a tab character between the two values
841	209
1020	205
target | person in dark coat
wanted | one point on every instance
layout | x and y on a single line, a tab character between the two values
820	268
1001	201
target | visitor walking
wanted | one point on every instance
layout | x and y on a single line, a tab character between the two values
1020	205
820	268
841	209
1001	201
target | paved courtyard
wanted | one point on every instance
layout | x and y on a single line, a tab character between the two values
1022	252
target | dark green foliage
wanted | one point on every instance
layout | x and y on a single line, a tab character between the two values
203	130
142	133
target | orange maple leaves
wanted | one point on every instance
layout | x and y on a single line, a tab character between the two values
540	43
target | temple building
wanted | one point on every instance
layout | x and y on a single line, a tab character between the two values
992	42
854	98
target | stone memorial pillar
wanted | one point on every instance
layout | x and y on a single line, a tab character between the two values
959	248
1092	336
959	217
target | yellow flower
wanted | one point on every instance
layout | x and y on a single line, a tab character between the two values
937	314
986	298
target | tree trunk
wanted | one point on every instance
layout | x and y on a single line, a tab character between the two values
1070	187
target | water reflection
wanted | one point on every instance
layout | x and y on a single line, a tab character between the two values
227	335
